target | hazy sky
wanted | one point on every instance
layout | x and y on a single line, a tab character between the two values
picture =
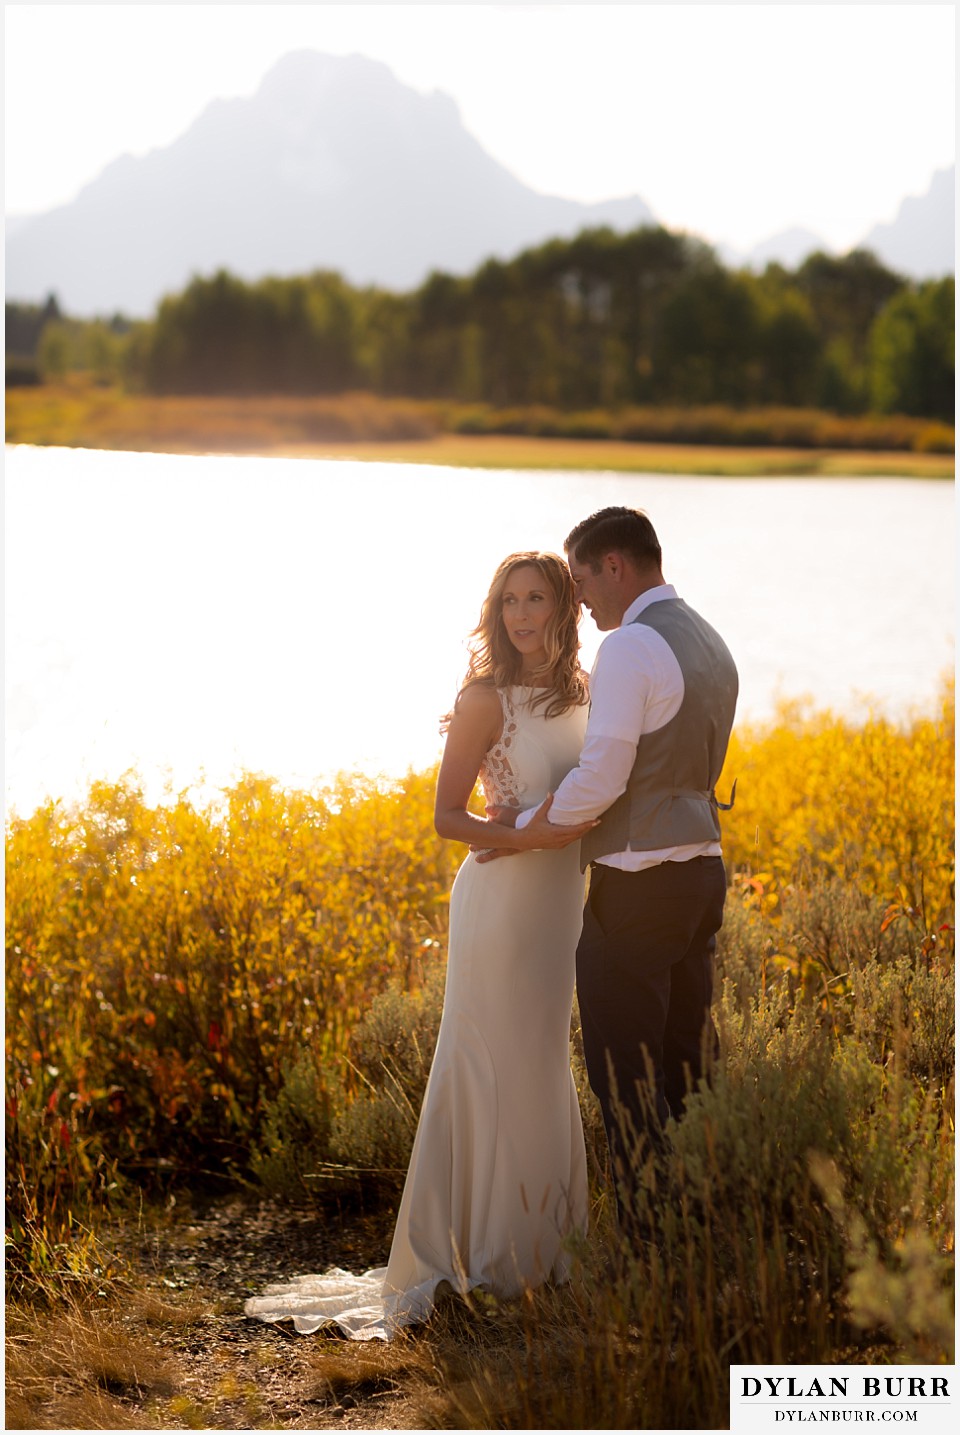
733	121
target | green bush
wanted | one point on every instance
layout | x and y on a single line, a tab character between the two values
295	1140
804	1203
389	1062
905	1012
333	1121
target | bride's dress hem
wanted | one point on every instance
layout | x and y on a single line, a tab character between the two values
290	1302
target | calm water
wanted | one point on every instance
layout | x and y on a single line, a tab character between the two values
194	617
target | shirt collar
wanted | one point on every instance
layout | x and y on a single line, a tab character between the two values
652	595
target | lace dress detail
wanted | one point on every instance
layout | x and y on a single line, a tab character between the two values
500	784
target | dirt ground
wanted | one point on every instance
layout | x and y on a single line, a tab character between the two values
170	1347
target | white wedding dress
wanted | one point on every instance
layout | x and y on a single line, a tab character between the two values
498	1173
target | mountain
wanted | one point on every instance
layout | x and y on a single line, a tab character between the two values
921	240
332	164
15	222
919	243
788	247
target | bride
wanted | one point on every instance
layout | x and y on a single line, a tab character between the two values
497	1178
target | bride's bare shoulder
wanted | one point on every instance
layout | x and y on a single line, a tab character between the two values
479	703
479	697
476	719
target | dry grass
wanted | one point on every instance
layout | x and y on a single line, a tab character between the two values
364	426
164	1344
76	1367
76	414
143	1360
161	1348
629	1343
506	451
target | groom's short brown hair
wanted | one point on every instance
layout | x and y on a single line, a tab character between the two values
615	530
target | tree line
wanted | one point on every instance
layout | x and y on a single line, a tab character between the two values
602	320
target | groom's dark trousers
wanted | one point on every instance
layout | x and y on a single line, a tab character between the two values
645	965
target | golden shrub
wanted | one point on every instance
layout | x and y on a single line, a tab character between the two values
166	964
870	803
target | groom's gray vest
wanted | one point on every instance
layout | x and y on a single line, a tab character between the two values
670	800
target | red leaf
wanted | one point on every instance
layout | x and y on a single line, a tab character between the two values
890	915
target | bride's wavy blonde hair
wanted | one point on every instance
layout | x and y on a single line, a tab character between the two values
496	662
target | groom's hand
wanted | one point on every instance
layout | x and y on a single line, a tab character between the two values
540	834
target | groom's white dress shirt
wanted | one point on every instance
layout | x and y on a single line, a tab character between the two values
636	687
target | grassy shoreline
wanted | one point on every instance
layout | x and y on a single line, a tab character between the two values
511	451
369	429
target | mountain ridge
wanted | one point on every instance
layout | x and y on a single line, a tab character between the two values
919	242
332	164
921	239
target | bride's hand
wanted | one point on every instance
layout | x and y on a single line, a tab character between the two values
490	854
506	816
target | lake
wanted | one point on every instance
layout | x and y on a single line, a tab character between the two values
193	617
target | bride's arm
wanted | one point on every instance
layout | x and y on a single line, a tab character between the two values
475	726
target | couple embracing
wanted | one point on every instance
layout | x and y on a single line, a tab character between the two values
622	783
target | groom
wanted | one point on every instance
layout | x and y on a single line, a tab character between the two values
662	698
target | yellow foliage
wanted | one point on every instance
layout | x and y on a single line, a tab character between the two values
871	804
166	964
